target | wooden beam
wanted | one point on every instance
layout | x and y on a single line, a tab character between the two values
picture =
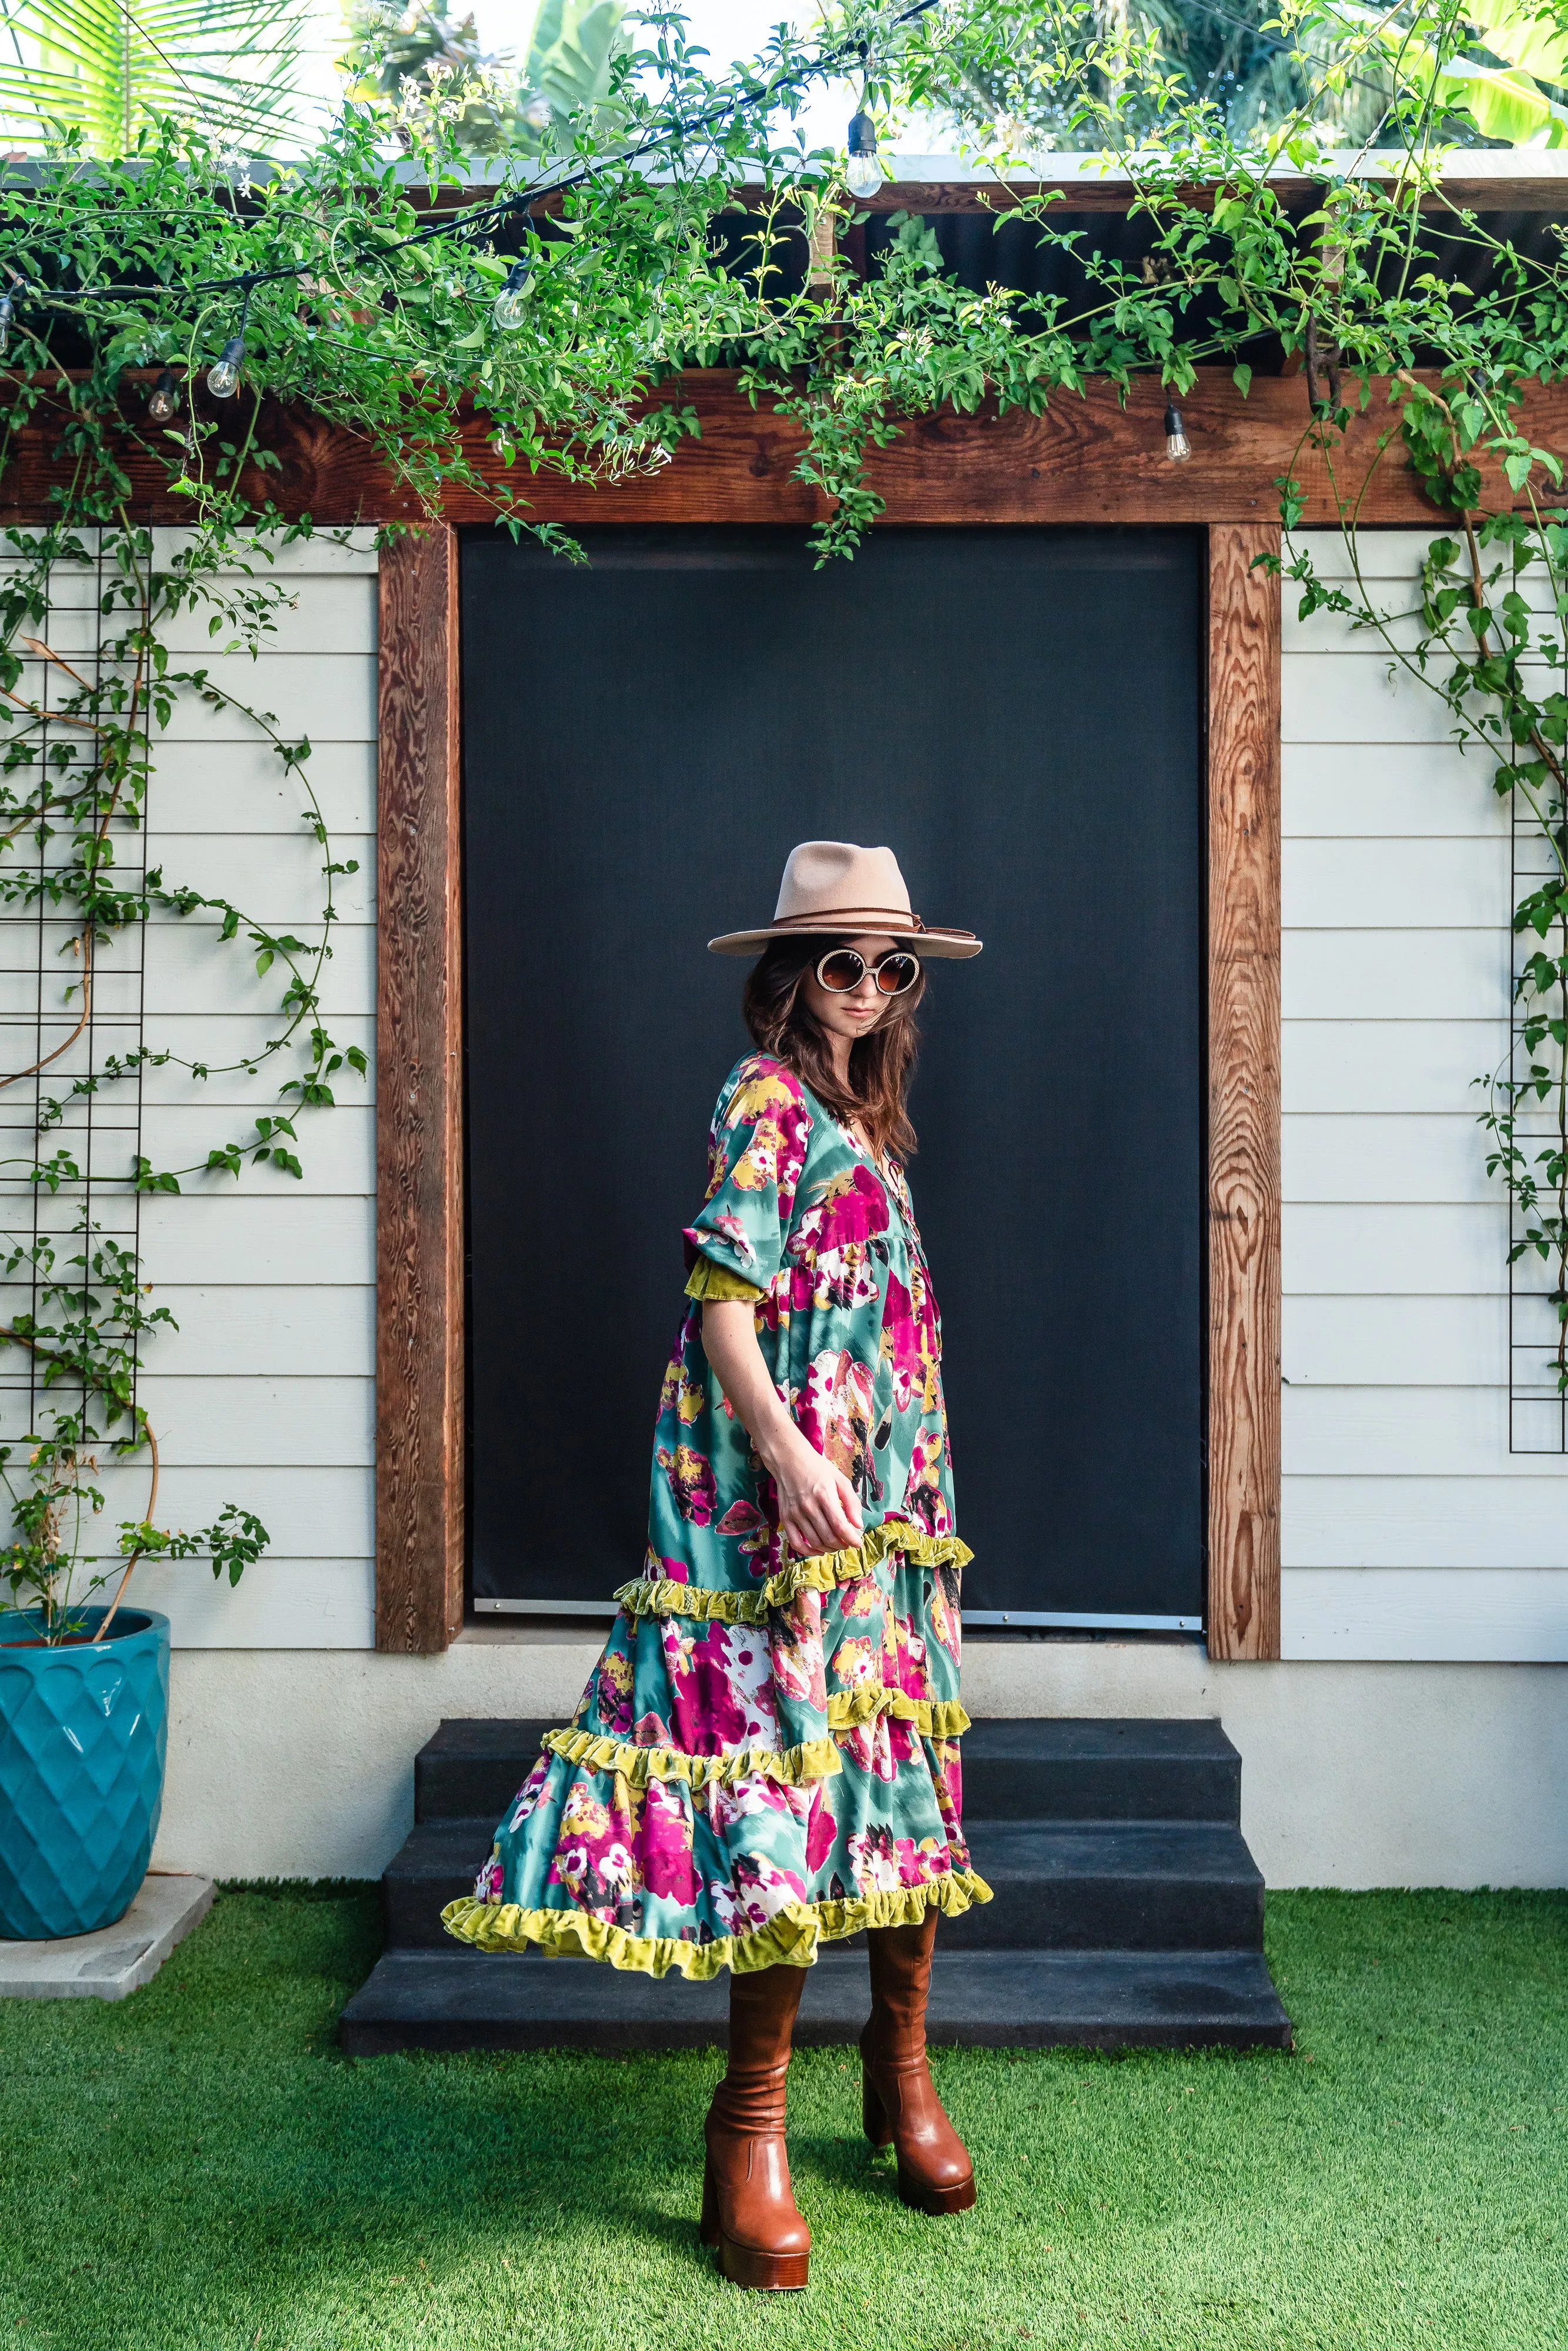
419	1104
1086	460
1243	1095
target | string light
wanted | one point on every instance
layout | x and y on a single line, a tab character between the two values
223	377
1178	448
165	401
863	175
511	302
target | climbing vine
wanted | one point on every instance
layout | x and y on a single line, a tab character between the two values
172	308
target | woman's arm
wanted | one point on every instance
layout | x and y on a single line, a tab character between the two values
819	1509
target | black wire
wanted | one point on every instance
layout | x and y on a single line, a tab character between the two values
524	199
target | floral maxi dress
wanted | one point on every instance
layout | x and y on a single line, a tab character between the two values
767	1753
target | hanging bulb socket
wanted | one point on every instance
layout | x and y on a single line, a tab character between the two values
164	402
223	376
1178	448
511	302
863	175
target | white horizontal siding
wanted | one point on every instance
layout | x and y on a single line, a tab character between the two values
263	1396
1409	1529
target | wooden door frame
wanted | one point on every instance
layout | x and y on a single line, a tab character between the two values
420	1321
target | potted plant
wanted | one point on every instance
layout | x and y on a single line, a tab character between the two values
84	1681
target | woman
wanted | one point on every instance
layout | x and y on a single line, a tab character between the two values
765	1756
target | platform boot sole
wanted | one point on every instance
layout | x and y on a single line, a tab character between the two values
918	2193
746	2265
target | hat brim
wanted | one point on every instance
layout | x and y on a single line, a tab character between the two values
932	944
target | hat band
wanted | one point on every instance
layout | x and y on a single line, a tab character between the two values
845	915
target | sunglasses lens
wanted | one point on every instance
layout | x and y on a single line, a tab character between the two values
841	971
895	973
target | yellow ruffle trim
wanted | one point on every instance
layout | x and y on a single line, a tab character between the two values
798	1766
708	1279
815	1759
791	1938
823	1572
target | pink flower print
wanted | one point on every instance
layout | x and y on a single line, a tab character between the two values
745	1523
487	1886
874	1860
670	1570
722	1687
942	1610
821	1831
757	1888
749	1799
727	1227
664	1846
690	1478
651	1730
870	1745
861	1597
529	1793
612	1698
923	1500
903	1740
795	1643
835	1413
909	1651
857	1662
594	1853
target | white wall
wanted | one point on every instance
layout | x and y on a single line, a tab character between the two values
1409	1531
265	1395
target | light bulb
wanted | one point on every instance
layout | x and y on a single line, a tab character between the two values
863	175
8	311
165	401
511	302
223	379
1178	448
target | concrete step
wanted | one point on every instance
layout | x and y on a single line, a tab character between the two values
989	2000
1128	1885
1013	1770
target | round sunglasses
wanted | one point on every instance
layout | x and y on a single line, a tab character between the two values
842	970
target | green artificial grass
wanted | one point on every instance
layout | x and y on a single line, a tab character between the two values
198	2168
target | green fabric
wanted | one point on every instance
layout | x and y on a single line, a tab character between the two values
767	1744
708	1280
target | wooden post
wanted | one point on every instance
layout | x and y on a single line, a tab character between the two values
1243	1095
419	1116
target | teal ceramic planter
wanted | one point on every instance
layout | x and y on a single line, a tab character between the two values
84	1732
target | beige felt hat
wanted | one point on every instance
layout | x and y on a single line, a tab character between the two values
835	885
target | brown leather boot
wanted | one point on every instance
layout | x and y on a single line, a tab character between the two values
749	2207
935	2174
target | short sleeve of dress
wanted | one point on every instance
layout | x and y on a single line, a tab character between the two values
757	1150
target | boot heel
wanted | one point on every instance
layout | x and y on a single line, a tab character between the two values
921	2197
708	2227
873	2114
763	2272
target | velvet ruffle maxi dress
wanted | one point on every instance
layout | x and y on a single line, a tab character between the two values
767	1754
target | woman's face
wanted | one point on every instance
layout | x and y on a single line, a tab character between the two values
856	1013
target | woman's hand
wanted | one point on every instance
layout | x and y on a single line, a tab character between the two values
819	1509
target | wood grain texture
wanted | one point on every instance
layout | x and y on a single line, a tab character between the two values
1243	1095
419	1123
1086	460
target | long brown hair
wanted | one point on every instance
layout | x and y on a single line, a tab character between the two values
881	1065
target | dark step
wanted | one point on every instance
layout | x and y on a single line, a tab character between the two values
1013	1770
475	1765
1134	1886
1145	1885
1017	1770
987	2000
